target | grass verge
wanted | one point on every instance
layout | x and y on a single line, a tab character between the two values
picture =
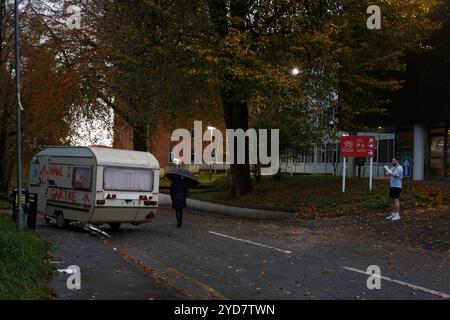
315	196
24	263
5	201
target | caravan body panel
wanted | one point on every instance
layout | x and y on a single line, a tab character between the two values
95	185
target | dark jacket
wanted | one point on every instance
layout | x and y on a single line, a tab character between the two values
178	194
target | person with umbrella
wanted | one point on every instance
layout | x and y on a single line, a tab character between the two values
182	179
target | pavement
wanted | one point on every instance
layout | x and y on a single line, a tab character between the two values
105	274
225	210
214	257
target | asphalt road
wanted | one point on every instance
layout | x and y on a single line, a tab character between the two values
220	258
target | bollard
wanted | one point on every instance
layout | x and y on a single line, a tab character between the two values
31	211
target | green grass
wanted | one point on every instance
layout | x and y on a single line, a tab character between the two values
316	195
5	204
23	263
5	201
203	178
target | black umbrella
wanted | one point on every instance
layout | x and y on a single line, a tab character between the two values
188	176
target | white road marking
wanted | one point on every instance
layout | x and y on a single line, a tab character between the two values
250	242
402	283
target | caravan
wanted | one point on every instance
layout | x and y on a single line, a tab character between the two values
94	185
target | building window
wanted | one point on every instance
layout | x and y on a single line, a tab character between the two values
385	150
321	154
332	153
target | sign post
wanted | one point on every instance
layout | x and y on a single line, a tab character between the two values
358	147
371	154
344	174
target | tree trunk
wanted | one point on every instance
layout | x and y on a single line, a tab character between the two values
235	108
140	138
236	117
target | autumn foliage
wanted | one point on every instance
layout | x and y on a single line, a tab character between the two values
158	62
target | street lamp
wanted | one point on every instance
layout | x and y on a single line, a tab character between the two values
19	210
295	71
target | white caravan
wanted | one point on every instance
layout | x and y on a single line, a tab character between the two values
95	185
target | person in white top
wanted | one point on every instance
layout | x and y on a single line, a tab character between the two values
395	175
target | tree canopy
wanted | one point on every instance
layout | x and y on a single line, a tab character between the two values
48	89
154	61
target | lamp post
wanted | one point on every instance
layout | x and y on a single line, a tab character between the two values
19	210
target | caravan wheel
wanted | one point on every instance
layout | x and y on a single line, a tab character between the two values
60	221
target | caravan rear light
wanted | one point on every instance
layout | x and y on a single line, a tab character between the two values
144	198
108	197
101	202
153	203
114	197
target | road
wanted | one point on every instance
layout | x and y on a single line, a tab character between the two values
213	257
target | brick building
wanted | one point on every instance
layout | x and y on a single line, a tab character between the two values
159	144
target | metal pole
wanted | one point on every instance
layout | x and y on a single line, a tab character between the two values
371	175
344	173
19	209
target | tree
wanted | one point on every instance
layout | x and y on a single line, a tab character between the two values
369	59
47	89
149	71
6	93
247	49
149	60
425	96
359	73
127	59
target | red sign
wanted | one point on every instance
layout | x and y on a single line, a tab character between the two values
86	202
358	146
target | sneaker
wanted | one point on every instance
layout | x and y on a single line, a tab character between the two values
396	218
390	217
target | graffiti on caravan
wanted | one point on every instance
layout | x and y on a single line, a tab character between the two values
258	146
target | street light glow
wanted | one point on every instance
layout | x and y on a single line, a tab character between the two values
295	71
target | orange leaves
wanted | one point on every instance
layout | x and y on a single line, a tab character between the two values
47	99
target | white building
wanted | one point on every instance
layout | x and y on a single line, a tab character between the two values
324	158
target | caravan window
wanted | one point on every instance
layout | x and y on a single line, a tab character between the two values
82	178
127	179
